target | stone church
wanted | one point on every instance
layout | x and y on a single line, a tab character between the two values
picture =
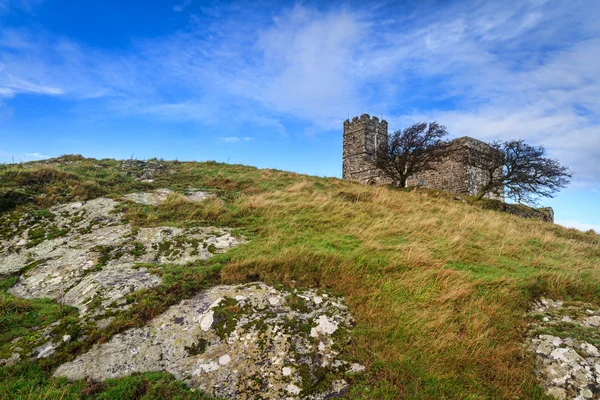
364	136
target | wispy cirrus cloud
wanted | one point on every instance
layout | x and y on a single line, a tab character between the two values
235	139
10	86
491	70
21	5
182	6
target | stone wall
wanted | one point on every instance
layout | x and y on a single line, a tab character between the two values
449	175
362	136
457	174
476	177
545	213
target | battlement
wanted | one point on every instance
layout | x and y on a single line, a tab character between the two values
364	137
366	118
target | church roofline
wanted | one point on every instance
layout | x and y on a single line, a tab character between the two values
468	139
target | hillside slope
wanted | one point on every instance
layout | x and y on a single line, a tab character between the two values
439	289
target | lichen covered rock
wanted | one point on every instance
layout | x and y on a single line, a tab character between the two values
236	342
160	195
145	171
90	259
565	339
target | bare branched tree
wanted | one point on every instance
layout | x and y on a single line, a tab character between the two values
412	150
521	170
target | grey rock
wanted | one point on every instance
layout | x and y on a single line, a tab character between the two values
145	171
568	367
160	195
12	360
67	267
259	349
150	198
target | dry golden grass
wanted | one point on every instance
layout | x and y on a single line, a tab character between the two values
438	288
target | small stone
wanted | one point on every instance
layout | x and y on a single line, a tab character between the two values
293	389
592	321
590	349
273	301
356	368
45	350
286	371
325	326
211	366
66	338
207	320
224	360
318	300
565	354
12	360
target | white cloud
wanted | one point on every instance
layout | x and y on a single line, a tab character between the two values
493	70
36	155
9	157
516	76
11	86
22	5
182	6
235	139
306	65
582	226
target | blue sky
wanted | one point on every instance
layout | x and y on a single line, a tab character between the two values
270	83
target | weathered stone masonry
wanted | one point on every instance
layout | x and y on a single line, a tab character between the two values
362	137
456	174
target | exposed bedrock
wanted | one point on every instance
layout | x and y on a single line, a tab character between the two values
236	342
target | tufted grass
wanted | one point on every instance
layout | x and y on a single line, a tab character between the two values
438	288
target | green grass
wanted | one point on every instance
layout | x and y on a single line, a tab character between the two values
23	319
29	381
438	288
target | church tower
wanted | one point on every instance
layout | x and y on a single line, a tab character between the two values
362	137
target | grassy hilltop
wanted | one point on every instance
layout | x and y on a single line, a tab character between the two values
438	288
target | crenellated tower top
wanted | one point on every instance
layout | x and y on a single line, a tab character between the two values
363	137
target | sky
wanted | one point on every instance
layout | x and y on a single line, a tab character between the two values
269	83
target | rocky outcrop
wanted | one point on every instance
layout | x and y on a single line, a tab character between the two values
145	171
545	214
93	262
81	254
160	195
236	342
565	339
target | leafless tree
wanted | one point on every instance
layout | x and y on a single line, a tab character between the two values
521	170
412	150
